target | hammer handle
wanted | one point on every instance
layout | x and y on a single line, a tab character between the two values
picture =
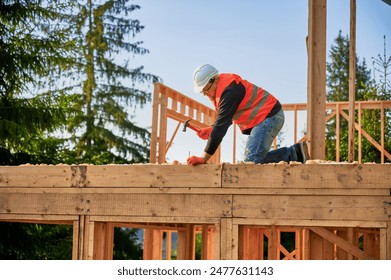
194	128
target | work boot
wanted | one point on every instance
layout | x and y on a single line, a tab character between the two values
302	152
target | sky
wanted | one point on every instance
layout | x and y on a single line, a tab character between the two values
263	41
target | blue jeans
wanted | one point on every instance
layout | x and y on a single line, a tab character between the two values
261	138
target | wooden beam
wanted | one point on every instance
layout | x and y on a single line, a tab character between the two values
205	242
310	207
316	95
352	79
153	152
319	176
388	241
153	175
227	244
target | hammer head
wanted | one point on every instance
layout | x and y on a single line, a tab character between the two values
185	124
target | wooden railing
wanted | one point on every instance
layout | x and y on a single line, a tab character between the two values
171	104
338	110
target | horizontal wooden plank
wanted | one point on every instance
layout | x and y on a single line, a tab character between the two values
155	220
154	205
43	204
204	191
257	222
154	176
342	176
336	176
312	207
42	175
157	205
41	219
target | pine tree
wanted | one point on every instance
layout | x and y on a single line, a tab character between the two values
382	65
108	89
30	43
338	90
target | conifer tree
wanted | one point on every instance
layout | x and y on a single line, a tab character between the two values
107	88
31	41
338	90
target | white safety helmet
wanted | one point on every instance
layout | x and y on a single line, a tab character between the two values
201	76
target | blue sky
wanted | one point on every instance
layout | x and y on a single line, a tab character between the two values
261	40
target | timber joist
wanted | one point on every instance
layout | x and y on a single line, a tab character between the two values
228	197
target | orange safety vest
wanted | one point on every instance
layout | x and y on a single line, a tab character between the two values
255	106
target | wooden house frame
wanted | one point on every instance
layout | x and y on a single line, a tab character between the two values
334	211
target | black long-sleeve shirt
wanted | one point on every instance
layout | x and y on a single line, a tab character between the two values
229	103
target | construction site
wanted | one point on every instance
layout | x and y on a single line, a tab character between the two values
332	210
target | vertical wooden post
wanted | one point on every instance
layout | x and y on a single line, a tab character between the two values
316	78
352	79
273	243
168	244
359	134
382	131
351	238
76	240
186	243
227	239
305	244
316	246
102	235
388	242
372	244
295	124
252	244
155	117
211	239
153	244
234	145
383	244
83	237
162	126
205	242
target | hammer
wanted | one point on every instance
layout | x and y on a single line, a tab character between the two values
187	124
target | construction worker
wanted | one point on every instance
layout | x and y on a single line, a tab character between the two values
257	113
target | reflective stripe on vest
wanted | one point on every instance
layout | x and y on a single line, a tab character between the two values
255	106
248	105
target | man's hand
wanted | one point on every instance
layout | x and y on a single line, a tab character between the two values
193	160
205	132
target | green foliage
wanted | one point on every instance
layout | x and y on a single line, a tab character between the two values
382	66
35	242
102	129
366	89
198	246
126	244
30	45
63	69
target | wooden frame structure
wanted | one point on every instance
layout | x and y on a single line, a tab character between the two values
339	110
334	211
329	207
171	104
